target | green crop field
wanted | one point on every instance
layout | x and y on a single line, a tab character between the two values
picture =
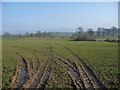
101	57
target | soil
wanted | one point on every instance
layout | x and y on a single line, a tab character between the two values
33	74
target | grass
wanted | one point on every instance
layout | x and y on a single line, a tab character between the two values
101	56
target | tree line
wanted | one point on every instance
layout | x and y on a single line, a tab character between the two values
100	33
40	34
80	34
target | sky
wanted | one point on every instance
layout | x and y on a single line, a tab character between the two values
0	18
21	17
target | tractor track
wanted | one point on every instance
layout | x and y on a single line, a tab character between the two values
95	80
30	74
21	75
79	74
72	71
37	78
44	78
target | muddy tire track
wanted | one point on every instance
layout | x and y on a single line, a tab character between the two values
14	78
72	71
21	75
37	76
78	74
31	74
94	79
44	79
85	77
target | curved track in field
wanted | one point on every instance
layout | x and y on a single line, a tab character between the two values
90	78
30	74
33	74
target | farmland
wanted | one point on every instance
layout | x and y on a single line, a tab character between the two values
59	62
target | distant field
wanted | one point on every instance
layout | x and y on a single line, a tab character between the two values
102	57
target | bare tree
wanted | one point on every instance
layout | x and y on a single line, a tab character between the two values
80	30
31	35
113	29
98	32
84	36
103	32
108	32
90	31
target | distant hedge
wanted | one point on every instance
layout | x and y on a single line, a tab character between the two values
85	37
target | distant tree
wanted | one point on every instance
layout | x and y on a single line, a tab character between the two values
44	34
113	29
31	35
119	33
19	35
38	34
51	35
7	34
90	31
80	30
27	34
84	36
103	32
108	32
98	32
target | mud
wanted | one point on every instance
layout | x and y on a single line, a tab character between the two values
33	74
90	73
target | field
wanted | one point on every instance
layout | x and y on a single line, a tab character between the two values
59	63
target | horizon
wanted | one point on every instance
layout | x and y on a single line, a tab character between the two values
21	17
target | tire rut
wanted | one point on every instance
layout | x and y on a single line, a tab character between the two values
24	74
44	78
30	74
21	75
87	71
72	71
38	75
